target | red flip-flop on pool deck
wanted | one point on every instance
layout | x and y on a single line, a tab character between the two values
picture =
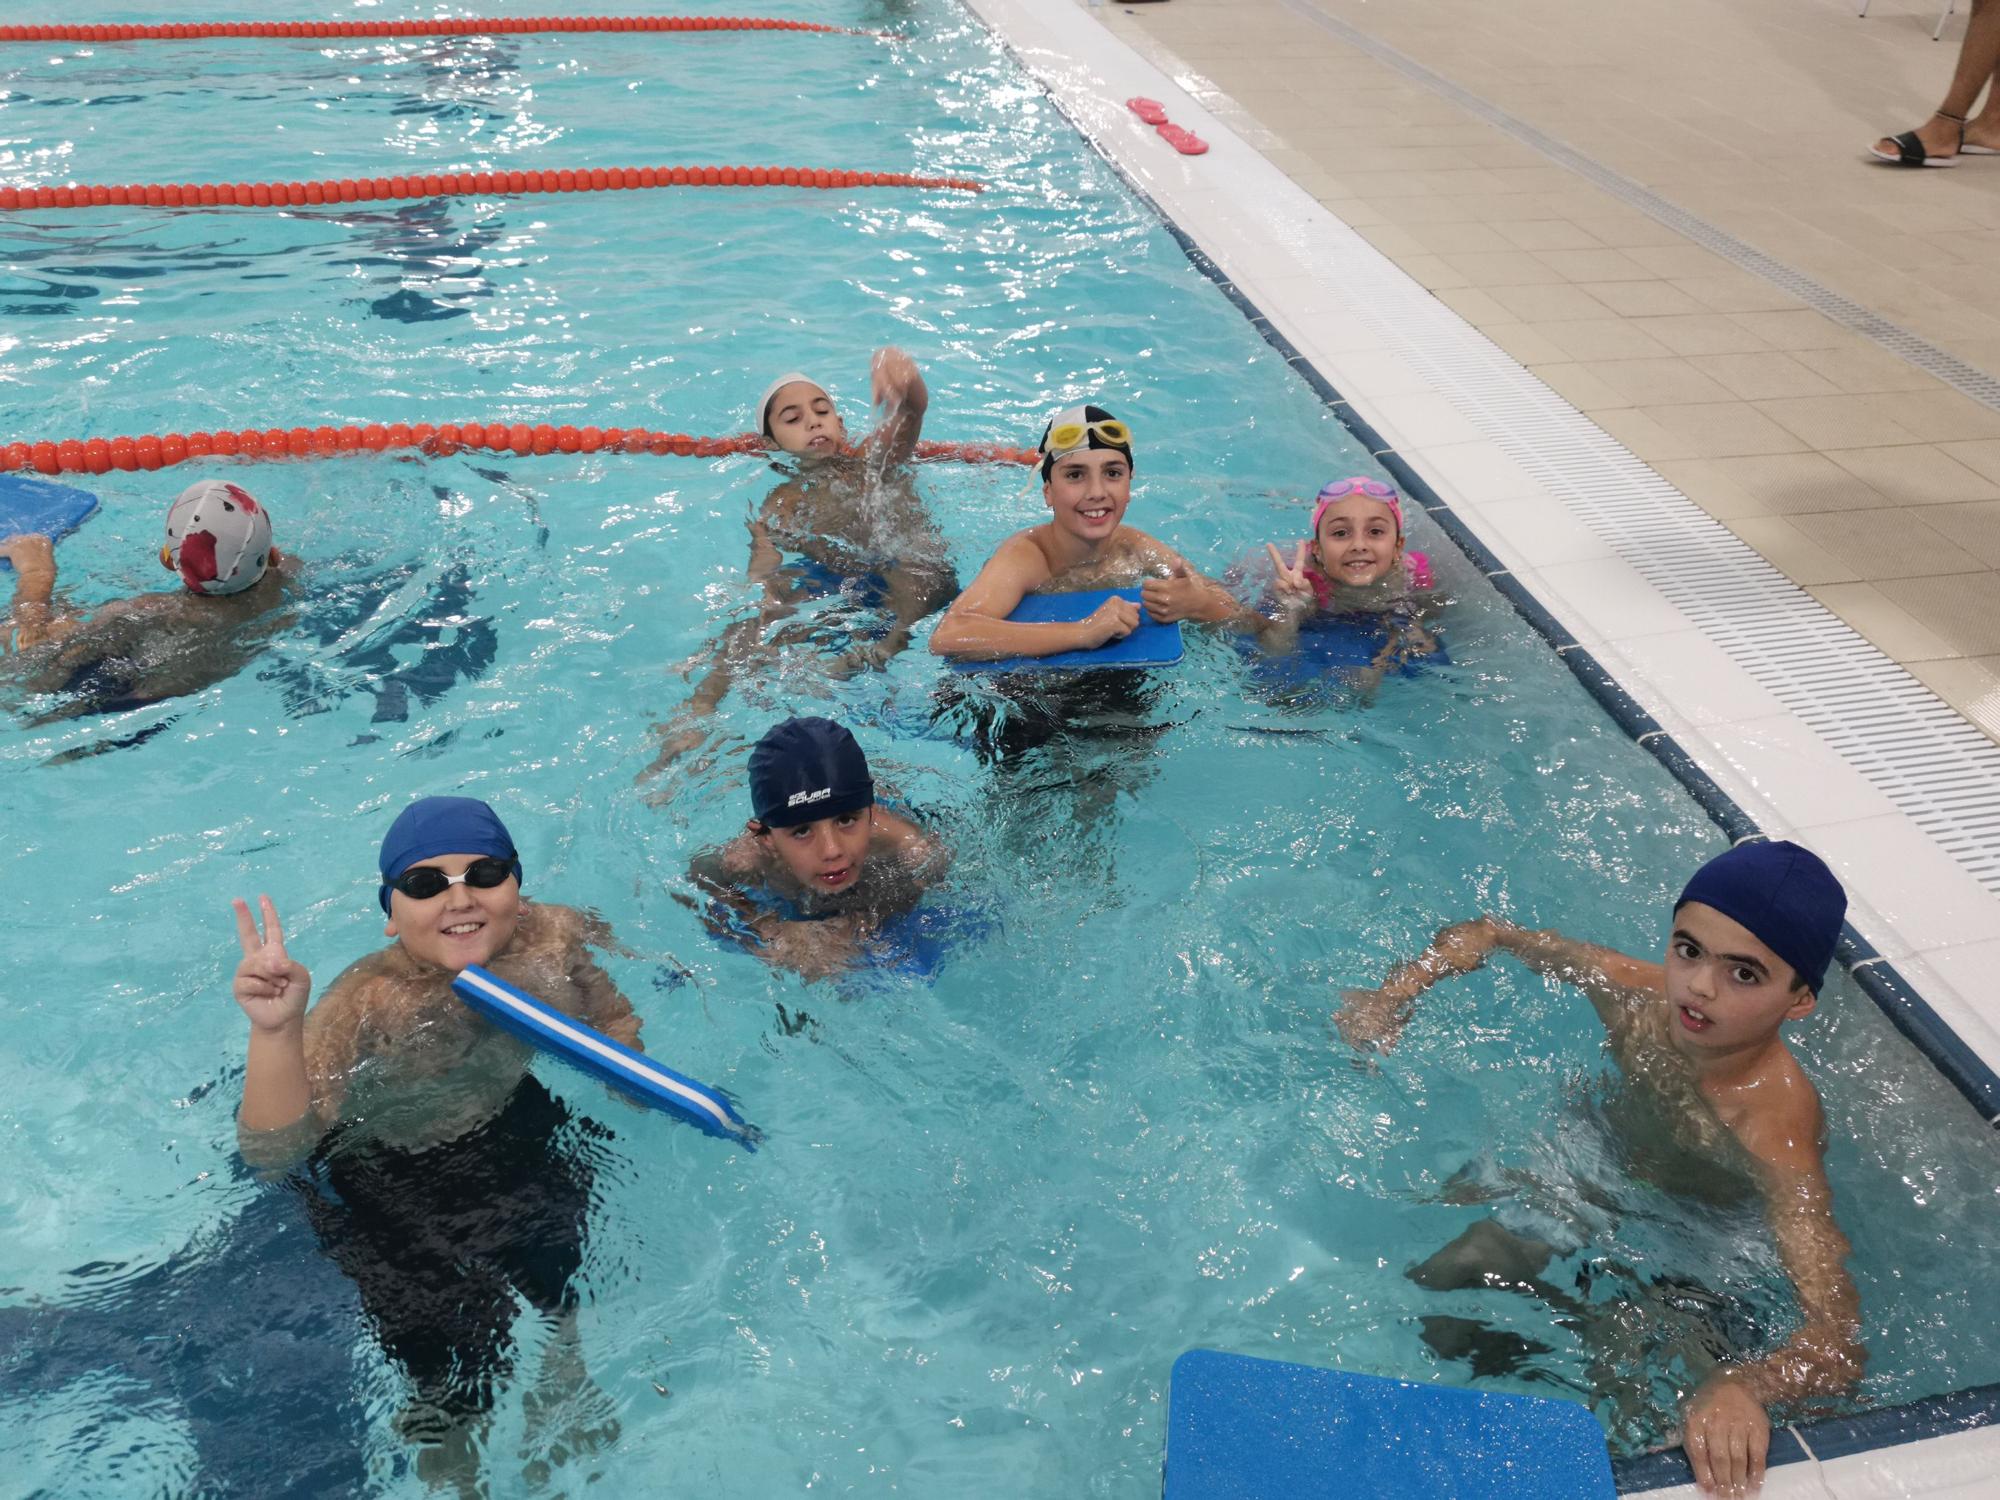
1183	140
1150	110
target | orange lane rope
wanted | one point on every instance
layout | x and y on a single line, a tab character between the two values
434	26
159	451
455	184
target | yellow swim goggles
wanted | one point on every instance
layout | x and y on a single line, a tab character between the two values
1073	435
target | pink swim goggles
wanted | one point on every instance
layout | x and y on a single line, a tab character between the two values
1370	489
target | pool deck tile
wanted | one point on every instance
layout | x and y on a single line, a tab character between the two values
1757	406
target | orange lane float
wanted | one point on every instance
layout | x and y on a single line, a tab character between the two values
454	185
180	31
163	450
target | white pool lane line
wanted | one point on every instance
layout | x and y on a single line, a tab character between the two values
1810	731
1805	725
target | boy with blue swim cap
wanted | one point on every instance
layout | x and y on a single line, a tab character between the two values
1753	934
819	865
456	1184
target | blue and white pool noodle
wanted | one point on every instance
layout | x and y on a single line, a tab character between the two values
585	1047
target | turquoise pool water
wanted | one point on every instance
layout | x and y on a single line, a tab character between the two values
992	1207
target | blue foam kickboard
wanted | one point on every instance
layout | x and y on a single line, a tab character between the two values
31	505
587	1048
1262	1429
1151	645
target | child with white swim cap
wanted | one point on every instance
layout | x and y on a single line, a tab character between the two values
147	647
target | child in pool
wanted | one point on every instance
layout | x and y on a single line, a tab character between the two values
461	1182
850	516
1087	485
140	650
819	866
1354	563
1698	1037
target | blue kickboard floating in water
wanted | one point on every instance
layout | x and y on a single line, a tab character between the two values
1151	645
916	942
1334	643
1263	1429
32	505
595	1053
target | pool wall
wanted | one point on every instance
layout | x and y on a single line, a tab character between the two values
1441	409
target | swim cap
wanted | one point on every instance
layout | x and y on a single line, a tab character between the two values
806	769
1367	489
1784	894
1084	419
431	826
218	537
790	377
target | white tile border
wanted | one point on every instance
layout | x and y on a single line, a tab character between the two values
1351	312
1918	905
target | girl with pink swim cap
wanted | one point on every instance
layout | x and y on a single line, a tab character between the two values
1355	562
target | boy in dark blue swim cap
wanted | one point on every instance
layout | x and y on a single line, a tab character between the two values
820	865
460	1183
1753	934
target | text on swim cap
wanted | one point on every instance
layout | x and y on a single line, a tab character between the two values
801	799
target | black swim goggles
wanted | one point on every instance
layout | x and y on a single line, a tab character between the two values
421	882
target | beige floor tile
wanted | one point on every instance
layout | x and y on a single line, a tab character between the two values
1393	240
1736	292
1657	382
1625	229
1603	338
1969	684
1702	430
1791	551
1595	265
1879	544
1984	457
1916	474
1503	268
1577	385
1460	239
1965	613
1553	303
1703	333
1476	305
1941	415
1794	330
1780	484
1765	376
1678	259
1554	234
1432	271
1353	212
1974	528
1893	629
1643	299
1862	367
1528	344
1837	421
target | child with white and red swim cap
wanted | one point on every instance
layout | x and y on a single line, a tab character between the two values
147	647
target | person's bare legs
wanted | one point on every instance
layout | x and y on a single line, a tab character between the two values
1978	66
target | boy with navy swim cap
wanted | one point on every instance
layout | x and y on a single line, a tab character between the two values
819	864
1752	936
461	1183
139	650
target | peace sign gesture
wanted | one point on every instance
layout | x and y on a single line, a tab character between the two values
271	985
1292	582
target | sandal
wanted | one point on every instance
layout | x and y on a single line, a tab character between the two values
1910	150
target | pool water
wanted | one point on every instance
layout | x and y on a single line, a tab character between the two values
993	1204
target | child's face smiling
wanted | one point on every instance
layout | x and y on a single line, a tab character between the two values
802	420
463	925
1357	542
827	854
1728	991
1087	491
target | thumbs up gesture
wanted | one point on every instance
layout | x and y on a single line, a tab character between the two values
1176	597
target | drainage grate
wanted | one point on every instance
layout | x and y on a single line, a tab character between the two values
1968	379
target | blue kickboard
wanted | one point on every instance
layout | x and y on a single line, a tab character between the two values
1151	645
34	505
585	1047
1263	1429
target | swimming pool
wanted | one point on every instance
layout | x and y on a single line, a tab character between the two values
994	1207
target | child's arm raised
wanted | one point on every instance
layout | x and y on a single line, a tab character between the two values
1725	1426
897	386
1611	979
976	627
